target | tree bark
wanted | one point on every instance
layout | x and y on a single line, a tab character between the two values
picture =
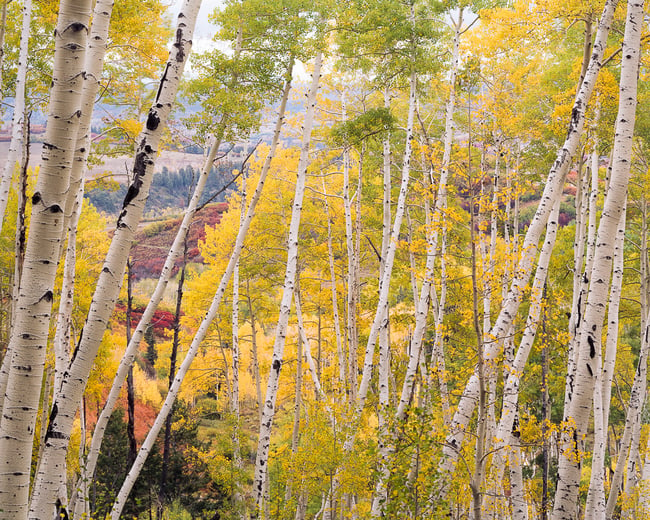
17	136
207	320
552	191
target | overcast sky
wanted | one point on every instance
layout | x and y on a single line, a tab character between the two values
204	29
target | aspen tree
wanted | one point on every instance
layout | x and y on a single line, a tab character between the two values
335	306
268	411
632	423
108	286
234	394
94	64
17	137
29	337
577	415
596	502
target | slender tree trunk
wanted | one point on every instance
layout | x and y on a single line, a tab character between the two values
234	396
20	404
577	415
384	286
130	386
21	229
268	412
335	306
17	136
633	417
254	357
167	440
207	320
351	327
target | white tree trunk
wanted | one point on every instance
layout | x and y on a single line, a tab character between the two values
577	415
632	419
15	146
552	191
31	323
112	274
268	412
234	394
129	355
596	500
335	306
384	285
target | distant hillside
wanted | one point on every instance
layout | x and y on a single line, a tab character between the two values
153	242
170	190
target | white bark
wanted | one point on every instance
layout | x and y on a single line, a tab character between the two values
351	326
384	285
511	385
310	359
517	489
632	419
112	274
29	338
268	412
335	306
175	250
234	394
15	146
552	191
596	500
577	415
64	318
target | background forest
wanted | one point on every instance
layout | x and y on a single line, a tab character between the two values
410	279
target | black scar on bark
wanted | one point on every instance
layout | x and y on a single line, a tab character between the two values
36	198
162	82
76	348
179	45
139	169
590	371
76	27
592	347
153	120
51	434
575	117
276	365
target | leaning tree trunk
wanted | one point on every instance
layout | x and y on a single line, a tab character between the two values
30	333
15	146
207	320
268	411
577	415
552	191
112	274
